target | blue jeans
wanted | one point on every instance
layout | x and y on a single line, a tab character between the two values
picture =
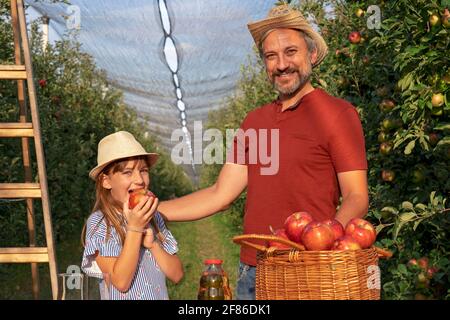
245	289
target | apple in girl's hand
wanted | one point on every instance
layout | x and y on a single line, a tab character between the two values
295	224
362	231
346	243
337	228
136	195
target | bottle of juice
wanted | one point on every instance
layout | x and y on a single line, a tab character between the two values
214	282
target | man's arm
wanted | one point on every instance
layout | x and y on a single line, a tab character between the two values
355	198
231	182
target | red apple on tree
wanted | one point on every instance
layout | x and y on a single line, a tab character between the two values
136	196
346	243
412	262
295	224
318	236
423	263
387	175
434	138
362	231
445	19
385	148
42	83
387	105
337	228
354	37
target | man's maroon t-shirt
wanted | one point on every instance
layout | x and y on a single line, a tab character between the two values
319	137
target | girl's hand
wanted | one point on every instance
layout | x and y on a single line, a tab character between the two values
138	217
149	238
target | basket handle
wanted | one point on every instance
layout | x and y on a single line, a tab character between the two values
243	239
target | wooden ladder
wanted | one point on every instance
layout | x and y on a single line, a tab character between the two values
23	72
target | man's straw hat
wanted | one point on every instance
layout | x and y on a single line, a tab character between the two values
117	146
283	16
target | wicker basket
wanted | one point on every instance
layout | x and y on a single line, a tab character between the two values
297	274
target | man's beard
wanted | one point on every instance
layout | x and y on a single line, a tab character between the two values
300	81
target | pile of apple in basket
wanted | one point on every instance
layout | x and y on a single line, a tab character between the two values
301	228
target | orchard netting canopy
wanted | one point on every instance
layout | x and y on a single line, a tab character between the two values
175	60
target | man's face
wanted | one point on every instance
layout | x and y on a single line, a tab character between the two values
287	60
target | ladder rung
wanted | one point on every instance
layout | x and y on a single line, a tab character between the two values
16	129
13	72
20	190
23	255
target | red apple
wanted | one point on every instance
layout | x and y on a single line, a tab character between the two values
362	231
282	234
423	263
354	37
412	262
346	243
445	19
434	138
387	105
387	175
136	195
42	83
431	271
295	224
337	228
318	236
385	148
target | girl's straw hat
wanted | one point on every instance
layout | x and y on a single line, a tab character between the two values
283	16
117	146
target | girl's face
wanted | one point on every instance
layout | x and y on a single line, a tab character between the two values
133	176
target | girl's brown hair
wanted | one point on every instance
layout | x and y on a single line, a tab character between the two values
110	209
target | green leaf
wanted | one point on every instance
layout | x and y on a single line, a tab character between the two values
406	205
421	206
379	228
402	269
407	216
416	224
390	209
445	140
397	230
442	126
410	146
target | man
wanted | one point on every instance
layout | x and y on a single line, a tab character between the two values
320	148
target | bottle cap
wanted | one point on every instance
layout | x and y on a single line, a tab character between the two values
213	261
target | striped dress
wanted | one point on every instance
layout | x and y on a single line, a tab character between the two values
149	282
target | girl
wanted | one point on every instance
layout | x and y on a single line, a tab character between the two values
120	241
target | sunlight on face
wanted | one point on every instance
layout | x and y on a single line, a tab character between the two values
287	60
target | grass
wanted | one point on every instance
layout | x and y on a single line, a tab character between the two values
204	239
199	240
